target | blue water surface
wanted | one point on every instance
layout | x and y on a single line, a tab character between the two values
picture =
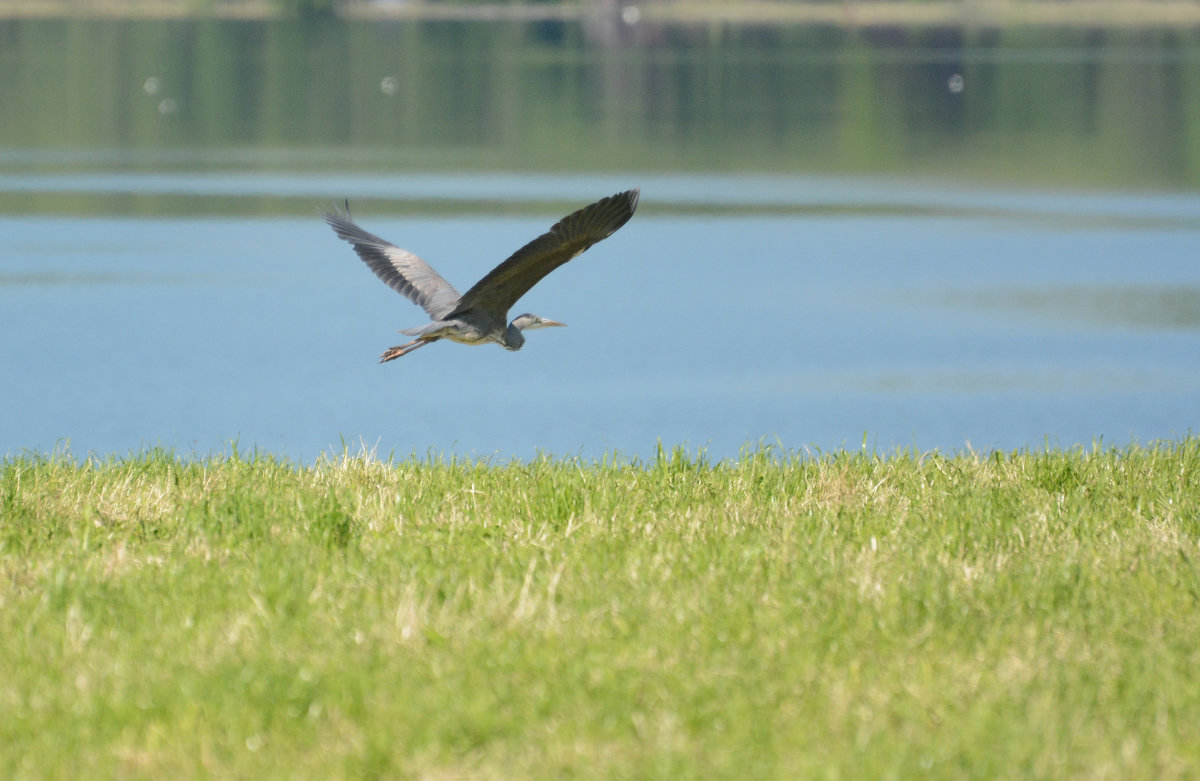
797	311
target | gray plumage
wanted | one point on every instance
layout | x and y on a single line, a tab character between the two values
481	314
399	269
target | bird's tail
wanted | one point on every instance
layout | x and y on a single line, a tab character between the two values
392	353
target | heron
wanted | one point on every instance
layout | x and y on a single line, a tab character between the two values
481	315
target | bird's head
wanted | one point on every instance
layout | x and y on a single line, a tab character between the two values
528	322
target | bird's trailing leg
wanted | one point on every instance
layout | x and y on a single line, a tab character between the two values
392	353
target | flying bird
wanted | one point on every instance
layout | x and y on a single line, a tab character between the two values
481	315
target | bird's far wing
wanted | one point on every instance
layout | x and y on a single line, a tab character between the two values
570	236
399	269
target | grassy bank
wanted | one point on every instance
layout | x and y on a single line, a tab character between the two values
842	616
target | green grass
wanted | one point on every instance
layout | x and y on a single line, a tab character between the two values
835	616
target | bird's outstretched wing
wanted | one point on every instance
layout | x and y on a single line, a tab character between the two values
570	236
399	269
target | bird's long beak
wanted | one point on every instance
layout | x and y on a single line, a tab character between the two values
550	323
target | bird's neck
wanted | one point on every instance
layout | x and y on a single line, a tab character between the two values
513	338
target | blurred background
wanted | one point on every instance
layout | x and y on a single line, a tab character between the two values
896	224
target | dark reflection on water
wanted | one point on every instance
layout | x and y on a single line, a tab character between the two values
1024	104
1145	307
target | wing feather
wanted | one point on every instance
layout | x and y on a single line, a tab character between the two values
570	236
399	269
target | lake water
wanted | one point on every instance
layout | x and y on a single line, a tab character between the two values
838	241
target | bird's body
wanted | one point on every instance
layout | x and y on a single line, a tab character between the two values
481	315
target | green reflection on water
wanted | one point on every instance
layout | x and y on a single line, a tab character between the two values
1068	107
1140	306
